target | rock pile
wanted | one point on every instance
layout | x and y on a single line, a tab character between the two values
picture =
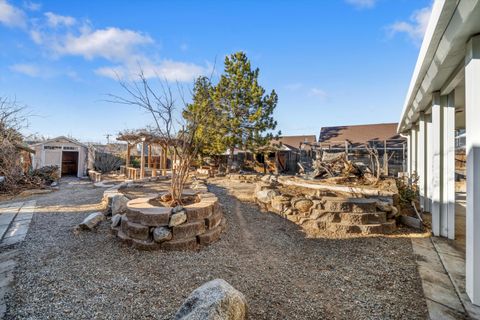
338	215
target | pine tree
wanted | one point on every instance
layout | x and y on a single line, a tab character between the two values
202	111
245	112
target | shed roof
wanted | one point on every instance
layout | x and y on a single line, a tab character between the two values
57	139
295	142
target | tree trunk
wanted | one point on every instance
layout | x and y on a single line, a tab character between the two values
230	159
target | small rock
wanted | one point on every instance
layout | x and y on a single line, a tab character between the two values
119	204
303	205
177	218
54	184
92	221
161	234
167	197
214	300
384	206
116	219
177	209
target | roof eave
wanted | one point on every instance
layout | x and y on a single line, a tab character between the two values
441	11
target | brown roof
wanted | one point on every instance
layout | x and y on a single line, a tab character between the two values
295	141
359	134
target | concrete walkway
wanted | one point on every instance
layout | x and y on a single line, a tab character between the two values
14	222
442	299
441	264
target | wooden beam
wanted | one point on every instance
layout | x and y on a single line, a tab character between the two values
149	156
142	161
127	160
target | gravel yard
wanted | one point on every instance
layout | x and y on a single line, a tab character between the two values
282	274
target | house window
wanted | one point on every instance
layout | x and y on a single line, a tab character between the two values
69	148
52	147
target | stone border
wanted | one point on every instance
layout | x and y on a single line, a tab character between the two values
320	214
148	227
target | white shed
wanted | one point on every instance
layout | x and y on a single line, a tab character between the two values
68	154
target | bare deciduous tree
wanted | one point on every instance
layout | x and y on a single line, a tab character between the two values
161	104
12	119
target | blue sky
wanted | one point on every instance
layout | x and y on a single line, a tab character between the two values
332	62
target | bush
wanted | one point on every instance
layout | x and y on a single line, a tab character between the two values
135	163
46	175
407	192
107	162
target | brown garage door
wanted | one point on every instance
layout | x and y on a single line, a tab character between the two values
69	163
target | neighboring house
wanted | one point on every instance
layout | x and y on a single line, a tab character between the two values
391	147
66	153
444	98
358	135
296	143
286	152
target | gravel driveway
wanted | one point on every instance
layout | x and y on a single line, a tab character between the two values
282	274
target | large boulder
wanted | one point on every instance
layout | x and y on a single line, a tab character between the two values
92	221
214	300
119	204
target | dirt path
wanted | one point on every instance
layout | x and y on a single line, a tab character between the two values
283	274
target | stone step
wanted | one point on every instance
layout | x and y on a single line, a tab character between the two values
356	205
348	228
362	218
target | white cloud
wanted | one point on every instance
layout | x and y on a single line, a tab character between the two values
55	20
36	36
27	69
12	16
317	92
166	69
122	46
362	3
124	49
32	6
111	43
416	26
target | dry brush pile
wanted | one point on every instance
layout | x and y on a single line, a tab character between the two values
15	173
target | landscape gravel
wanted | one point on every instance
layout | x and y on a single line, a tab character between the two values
282	274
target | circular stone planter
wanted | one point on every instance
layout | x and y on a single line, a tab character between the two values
149	227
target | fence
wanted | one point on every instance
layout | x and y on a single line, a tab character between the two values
392	154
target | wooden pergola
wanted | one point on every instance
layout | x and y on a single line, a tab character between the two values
154	163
